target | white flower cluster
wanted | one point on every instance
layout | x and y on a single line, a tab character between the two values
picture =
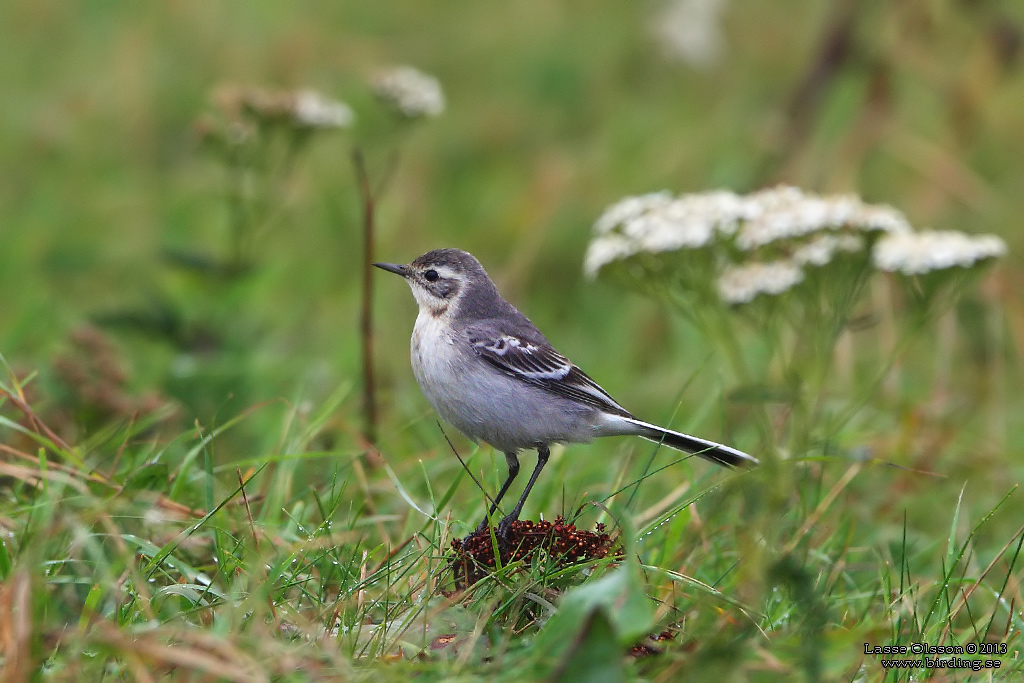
306	109
691	31
798	229
820	250
740	284
413	93
785	212
310	109
921	252
629	208
657	222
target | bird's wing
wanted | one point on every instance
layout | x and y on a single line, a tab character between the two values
538	363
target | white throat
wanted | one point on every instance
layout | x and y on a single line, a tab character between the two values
442	309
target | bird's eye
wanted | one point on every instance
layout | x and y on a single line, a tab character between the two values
431	275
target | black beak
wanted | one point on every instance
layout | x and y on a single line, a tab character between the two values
393	268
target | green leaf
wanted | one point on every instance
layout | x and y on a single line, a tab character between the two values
596	656
196	593
619	594
5	561
89	608
951	546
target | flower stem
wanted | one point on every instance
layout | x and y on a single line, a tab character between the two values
366	314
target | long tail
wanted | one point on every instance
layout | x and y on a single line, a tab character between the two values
709	450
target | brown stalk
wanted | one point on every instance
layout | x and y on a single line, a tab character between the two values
21	404
16	628
837	49
369	197
369	207
248	510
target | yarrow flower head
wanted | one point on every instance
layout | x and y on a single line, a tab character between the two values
303	109
922	252
607	249
821	249
629	208
310	109
739	284
657	222
691	31
413	93
768	241
786	212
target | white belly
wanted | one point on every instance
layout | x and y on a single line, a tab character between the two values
484	404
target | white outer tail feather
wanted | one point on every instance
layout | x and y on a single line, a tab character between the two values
717	453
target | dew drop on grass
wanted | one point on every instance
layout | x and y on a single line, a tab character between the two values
658	526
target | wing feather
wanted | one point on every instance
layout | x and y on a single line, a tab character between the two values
541	365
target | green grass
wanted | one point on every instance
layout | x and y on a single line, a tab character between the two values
201	504
144	554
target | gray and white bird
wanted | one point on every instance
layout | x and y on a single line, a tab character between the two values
489	372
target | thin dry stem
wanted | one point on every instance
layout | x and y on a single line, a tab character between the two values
369	207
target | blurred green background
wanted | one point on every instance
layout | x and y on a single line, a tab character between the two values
555	110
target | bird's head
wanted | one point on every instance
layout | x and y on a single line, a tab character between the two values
440	279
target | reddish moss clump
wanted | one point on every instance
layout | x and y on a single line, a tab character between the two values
560	541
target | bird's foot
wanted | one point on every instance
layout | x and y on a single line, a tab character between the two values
485	525
505	528
502	532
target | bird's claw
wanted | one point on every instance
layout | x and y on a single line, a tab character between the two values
504	528
502	531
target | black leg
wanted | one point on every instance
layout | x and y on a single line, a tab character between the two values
513	471
542	459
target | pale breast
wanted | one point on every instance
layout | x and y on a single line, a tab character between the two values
452	379
433	357
485	404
